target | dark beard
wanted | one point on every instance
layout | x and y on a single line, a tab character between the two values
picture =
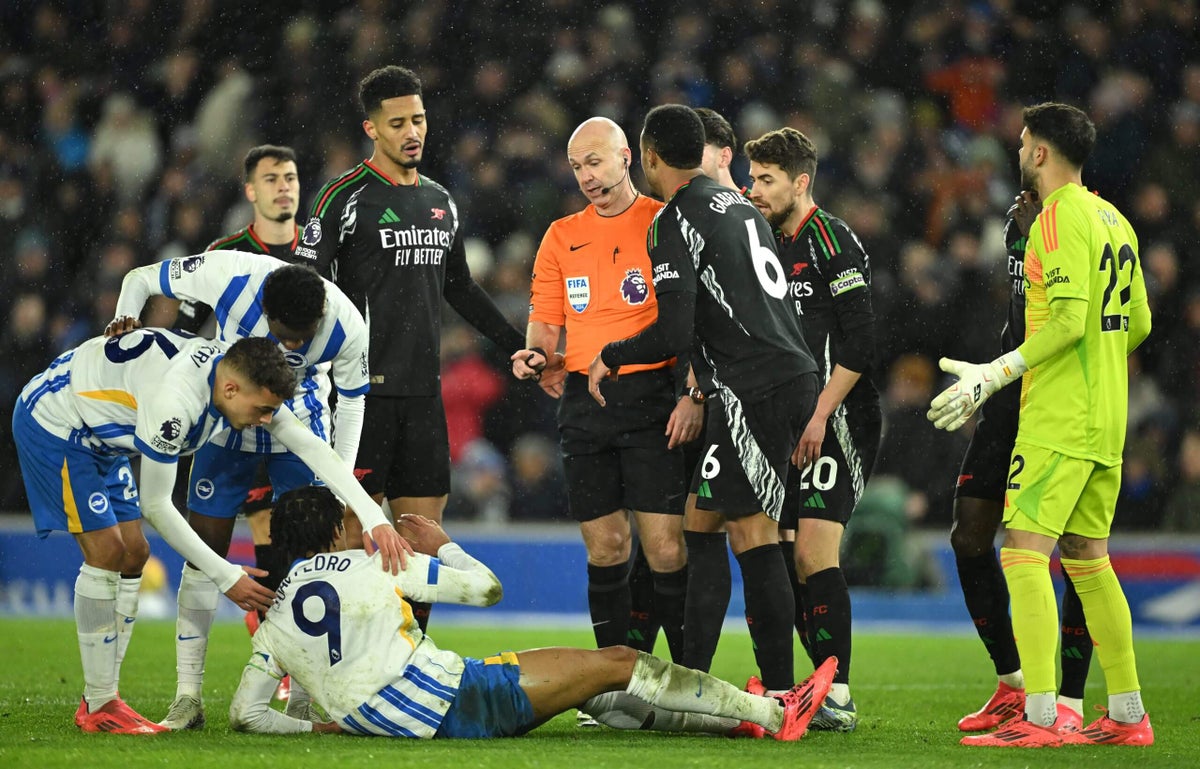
1028	180
777	220
285	216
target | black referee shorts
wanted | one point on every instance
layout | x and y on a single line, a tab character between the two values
405	447
829	488
984	471
616	457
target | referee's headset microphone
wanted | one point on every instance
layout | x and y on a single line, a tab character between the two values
624	173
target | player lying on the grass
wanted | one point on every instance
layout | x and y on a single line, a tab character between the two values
344	629
158	395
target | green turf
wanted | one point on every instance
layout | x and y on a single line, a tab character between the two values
910	691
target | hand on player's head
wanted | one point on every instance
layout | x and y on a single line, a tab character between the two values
121	325
424	534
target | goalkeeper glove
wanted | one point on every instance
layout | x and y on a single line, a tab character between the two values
976	383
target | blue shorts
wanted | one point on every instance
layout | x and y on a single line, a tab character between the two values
71	487
222	477
490	701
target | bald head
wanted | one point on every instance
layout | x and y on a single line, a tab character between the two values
599	155
597	133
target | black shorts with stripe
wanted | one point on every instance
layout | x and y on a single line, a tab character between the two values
830	488
747	448
405	447
616	457
985	465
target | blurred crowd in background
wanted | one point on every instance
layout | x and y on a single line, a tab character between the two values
123	126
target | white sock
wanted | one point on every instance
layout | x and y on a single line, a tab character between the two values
96	626
1072	703
1040	708
684	690
198	597
1015	679
128	589
1126	707
619	710
839	693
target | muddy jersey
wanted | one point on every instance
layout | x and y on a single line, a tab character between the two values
711	241
396	250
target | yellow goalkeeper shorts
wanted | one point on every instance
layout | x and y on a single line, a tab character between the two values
1051	494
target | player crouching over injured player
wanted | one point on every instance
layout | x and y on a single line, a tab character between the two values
339	626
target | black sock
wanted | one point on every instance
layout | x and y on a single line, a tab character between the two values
770	614
608	601
829	619
986	596
708	586
789	560
670	591
643	621
1076	643
421	614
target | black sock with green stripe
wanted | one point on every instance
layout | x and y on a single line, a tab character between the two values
828	600
643	622
986	595
770	614
1076	644
798	590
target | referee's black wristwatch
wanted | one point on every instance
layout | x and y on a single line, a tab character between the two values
695	393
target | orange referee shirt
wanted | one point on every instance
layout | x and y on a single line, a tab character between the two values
592	277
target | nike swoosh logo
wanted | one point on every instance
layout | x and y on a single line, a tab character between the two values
108	639
581	245
187	637
130	620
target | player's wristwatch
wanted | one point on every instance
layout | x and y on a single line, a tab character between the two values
695	393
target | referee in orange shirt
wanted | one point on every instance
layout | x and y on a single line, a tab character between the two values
592	278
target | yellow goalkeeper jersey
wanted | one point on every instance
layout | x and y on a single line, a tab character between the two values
1081	248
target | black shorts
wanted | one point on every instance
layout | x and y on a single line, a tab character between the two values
405	448
829	488
747	448
616	457
984	471
261	493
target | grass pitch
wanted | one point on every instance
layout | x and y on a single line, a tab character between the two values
910	691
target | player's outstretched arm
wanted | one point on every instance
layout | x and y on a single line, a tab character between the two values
457	577
157	479
325	462
976	383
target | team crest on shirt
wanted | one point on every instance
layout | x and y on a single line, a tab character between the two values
312	232
579	293
633	288
295	359
97	503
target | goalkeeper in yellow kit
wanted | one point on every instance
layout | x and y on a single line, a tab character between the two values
1085	311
